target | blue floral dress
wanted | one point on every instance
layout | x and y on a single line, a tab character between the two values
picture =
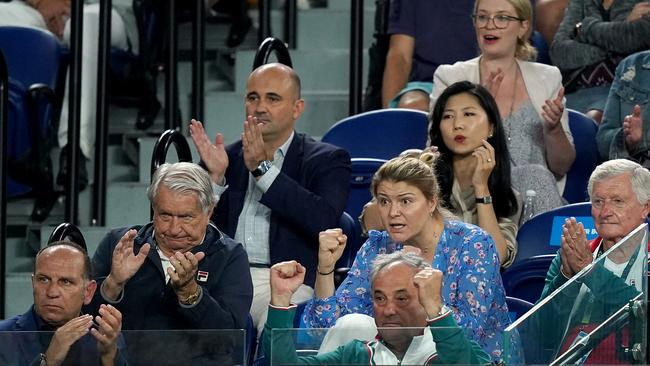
471	287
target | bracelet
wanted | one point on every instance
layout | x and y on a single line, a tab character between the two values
324	274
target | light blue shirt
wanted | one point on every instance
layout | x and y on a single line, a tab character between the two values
254	223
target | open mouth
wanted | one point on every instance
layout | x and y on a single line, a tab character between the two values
490	38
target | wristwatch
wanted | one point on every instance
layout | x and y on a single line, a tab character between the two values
193	298
261	169
487	200
576	29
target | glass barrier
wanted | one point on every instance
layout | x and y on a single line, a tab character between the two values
171	347
320	346
595	317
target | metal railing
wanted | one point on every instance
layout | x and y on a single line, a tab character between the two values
101	132
68	231
74	114
165	141
356	57
269	46
4	121
198	68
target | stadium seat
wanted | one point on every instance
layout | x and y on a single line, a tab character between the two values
540	45
525	279
34	63
380	134
584	131
541	234
517	307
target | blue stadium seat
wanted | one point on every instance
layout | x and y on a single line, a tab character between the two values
349	226
525	279
539	43
541	234
363	169
34	65
584	131
380	134
517	307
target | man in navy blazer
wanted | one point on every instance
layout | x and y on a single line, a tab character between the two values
279	188
53	331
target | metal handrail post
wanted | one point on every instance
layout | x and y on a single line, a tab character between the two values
264	7
171	101
291	23
4	122
356	57
198	68
101	133
74	112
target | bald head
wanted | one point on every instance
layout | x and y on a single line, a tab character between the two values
279	72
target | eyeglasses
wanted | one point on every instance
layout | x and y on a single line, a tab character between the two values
500	21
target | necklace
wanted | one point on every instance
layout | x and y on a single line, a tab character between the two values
512	103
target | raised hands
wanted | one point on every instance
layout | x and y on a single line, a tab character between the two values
214	156
639	10
493	82
485	162
429	282
552	111
182	273
331	244
109	324
574	250
633	129
65	337
125	263
253	144
286	278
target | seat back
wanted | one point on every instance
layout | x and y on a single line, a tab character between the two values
542	233
34	66
517	307
33	55
525	279
584	131
349	227
380	134
541	46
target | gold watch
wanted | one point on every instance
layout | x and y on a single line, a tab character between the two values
193	298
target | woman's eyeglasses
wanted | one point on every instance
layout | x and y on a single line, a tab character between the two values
500	21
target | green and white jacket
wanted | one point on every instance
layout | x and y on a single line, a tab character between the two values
446	343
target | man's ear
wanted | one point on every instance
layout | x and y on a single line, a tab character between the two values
298	108
89	291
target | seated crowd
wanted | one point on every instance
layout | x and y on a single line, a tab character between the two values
252	229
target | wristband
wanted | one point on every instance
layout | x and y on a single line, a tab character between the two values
325	274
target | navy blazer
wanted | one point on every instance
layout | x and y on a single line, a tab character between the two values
26	348
308	196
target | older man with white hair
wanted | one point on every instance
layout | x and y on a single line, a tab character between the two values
620	201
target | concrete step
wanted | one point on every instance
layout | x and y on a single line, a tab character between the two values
318	70
18	294
324	28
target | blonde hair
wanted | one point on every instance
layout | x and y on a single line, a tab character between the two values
416	170
524	10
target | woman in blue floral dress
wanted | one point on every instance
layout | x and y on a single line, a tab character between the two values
407	193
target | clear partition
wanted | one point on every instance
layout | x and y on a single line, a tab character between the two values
319	346
596	317
177	347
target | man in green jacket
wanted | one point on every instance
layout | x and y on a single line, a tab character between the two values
406	294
